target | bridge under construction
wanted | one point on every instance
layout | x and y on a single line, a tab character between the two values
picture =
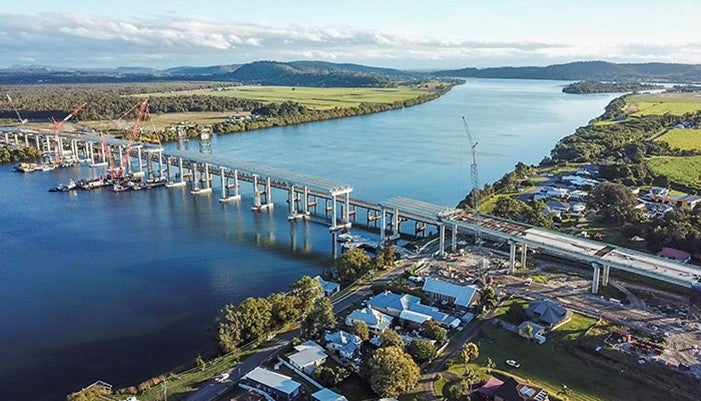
308	196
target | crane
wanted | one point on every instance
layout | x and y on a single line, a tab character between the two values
474	178
57	128
141	113
21	120
112	171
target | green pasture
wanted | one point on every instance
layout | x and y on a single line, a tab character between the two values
663	103
683	139
681	170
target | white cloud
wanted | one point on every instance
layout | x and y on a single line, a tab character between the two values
164	41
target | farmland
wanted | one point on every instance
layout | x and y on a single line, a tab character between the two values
682	170
313	98
663	103
684	139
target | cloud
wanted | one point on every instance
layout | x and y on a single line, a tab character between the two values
164	41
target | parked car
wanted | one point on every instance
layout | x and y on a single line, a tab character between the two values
222	377
513	363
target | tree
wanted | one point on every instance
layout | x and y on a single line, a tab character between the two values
615	202
248	321
489	365
307	290
422	350
528	330
468	352
283	308
361	330
328	376
391	372
458	389
201	363
92	393
320	318
516	313
489	297
629	230
352	265
385	255
433	330
510	208
390	338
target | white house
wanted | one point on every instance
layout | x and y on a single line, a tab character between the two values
329	287
537	331
327	395
458	295
307	356
376	321
344	343
393	305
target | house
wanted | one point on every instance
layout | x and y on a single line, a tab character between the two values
307	356
578	181
344	343
393	305
329	287
588	169
558	208
376	321
537	331
552	192
271	385
327	395
579	195
413	320
458	295
547	312
487	390
676	255
658	191
511	390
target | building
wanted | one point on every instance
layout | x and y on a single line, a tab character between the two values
579	195
273	386
458	295
376	321
307	356
547	312
579	181
327	395
393	305
557	207
675	254
663	196
329	287
487	390
511	390
537	332
344	343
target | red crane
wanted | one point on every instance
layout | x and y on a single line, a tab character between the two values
57	128
141	113
112	171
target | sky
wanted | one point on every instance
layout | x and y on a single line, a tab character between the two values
401	34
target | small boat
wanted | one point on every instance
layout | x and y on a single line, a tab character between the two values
119	188
28	167
345	237
64	187
48	167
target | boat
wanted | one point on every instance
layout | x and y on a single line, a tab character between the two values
48	167
119	188
89	184
64	187
155	182
28	167
345	237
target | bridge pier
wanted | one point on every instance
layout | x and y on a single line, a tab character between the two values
305	201
441	240
26	140
16	141
454	238
36	140
225	186
595	278
181	173
524	253
293	205
138	157
419	227
512	257
257	204
605	269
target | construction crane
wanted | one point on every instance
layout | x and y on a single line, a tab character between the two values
21	120
59	124
141	113
112	171
474	180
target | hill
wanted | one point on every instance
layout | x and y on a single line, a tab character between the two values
588	70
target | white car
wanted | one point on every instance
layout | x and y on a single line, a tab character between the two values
513	363
222	377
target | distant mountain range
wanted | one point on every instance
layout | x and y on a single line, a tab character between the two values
326	74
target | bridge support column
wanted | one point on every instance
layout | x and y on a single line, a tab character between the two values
334	244
169	172
383	226
292	205
334	221
7	137
36	140
305	201
160	164
512	257
16	140
605	274
121	157
91	154
346	209
441	240
26	140
225	197
595	278
256	194
524	253
195	178
454	238
181	173
396	222
141	162
59	151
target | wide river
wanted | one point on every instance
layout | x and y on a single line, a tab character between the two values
122	287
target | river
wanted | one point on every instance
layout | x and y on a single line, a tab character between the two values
121	287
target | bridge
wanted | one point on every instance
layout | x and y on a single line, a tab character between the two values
340	210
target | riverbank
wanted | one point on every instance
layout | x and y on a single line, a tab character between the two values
10	154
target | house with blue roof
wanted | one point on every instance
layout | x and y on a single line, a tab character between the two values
271	385
459	295
329	287
344	343
376	321
409	309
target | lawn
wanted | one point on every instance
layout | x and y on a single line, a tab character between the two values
157	122
683	139
314	98
664	103
551	365
681	170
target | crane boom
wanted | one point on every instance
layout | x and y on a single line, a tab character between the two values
141	113
57	128
474	178
21	120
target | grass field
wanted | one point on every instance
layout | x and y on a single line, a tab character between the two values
683	139
158	122
663	103
551	365
681	170
314	98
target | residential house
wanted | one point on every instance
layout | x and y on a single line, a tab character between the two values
458	295
578	181
511	390
271	385
344	343
376	321
327	395
487	390
588	169
547	312
557	208
579	195
537	331
393	305
676	255
551	192
329	287
307	356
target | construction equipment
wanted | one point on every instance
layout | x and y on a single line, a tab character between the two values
57	129
474	193
21	120
141	113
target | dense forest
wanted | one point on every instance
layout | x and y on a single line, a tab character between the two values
28	154
607	87
588	70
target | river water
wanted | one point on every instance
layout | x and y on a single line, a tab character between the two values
121	287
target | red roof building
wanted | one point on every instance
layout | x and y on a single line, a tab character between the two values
675	254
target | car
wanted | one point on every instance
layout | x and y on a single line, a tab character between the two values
513	363
222	377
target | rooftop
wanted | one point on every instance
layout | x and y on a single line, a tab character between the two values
547	311
308	352
463	294
273	380
328	395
